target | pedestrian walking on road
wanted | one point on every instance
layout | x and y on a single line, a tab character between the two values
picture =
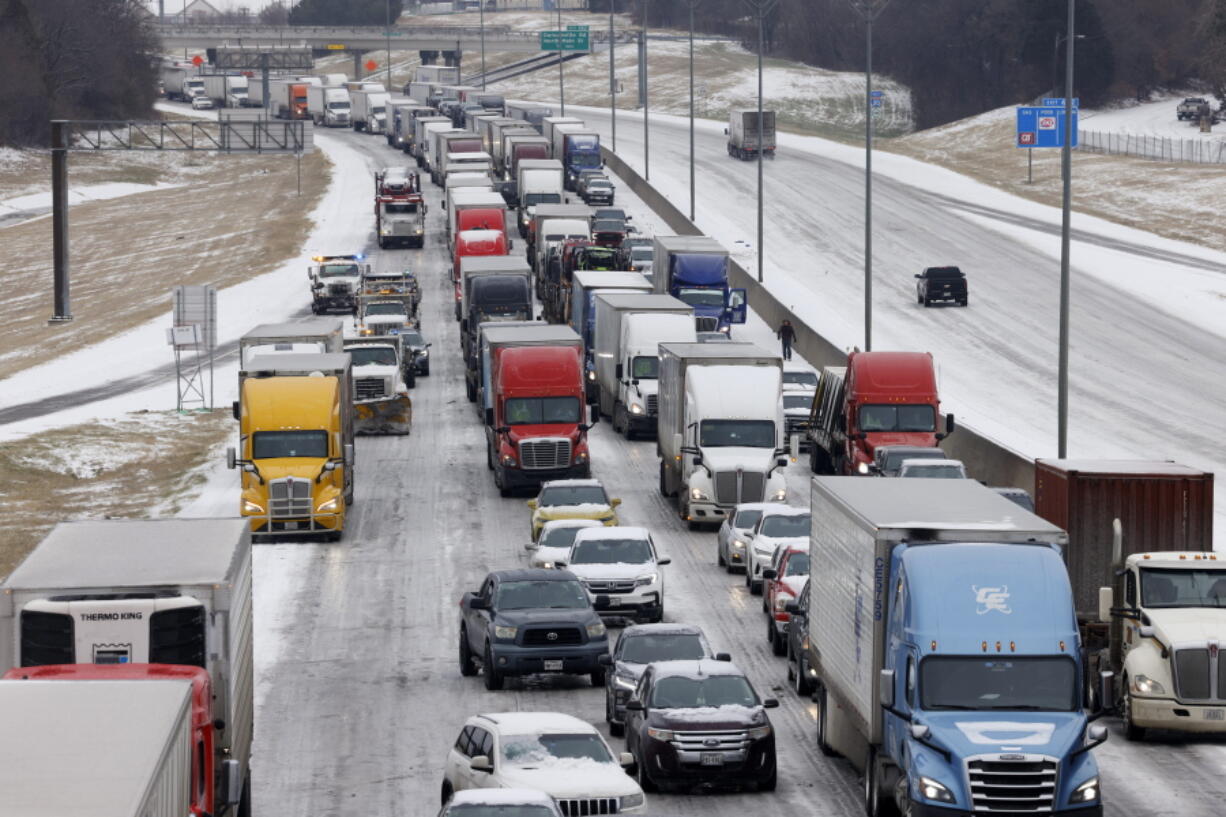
786	335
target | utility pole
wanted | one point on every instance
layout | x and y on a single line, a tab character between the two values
481	6
561	81
1066	162
387	32
612	79
646	124
692	4
868	9
761	9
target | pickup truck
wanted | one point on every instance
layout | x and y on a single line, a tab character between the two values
941	284
1193	108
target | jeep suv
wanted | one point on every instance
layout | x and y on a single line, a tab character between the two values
530	621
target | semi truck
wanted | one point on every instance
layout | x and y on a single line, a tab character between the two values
287	99
303	336
629	330
518	145
694	268
156	596
720	430
537	181
943	639
1147	586
174	81
329	106
462	200
744	141
581	316
422	127
551	225
534	409
296	452
226	91
400	128
335	280
400	220
492	288
437	74
455	141
878	398
381	402
368	110
579	150
550	123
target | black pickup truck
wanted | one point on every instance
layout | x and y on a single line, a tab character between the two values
528	621
941	284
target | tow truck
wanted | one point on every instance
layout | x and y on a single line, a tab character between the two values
335	280
400	210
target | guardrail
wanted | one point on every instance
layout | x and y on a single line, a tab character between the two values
993	462
1151	146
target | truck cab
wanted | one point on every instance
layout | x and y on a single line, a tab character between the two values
470	243
335	282
381	400
400	220
694	269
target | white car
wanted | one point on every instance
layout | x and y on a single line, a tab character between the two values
557	754
500	803
200	102
620	567
933	469
556	538
799	379
778	526
730	541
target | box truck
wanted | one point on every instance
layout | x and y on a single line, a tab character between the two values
744	141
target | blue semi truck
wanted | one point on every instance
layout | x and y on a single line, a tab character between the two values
694	269
944	648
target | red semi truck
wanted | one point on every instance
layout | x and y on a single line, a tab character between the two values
475	242
878	398
534	406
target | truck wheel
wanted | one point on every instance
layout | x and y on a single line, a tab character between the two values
597	677
468	666
493	678
446	792
470	389
801	683
1131	730
924	300
919	299
822	744
663	484
489	456
644	779
771	782
964	301
778	645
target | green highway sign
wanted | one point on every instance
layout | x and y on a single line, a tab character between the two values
570	40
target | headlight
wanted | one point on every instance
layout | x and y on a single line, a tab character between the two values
1144	685
780	495
622	682
725	329
635	408
424	352
596	630
695	493
650	578
862	468
738	544
759	732
1086	792
365	331
581	457
501	631
508	460
591	374
331	506
660	734
932	790
251	507
632	801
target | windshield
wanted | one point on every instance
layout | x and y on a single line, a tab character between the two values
746	519
1047	684
798	565
646	367
687	693
560	537
797	401
1183	588
532	595
572	495
386	309
893	459
644	649
747	433
412	338
702	297
530	199
328	270
934	472
411	207
786	526
498	810
641	253
897	418
338	106
535	410
267	445
585	160
807	379
372	355
611	552
528	751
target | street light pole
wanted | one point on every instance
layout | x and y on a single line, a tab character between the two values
1066	162
387	31
561	80
612	79
761	8
646	126
692	4
481	6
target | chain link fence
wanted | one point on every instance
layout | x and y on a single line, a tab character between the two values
1151	146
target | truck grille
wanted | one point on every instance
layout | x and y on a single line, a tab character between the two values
289	498
653	404
365	388
1013	784
339	290
544	452
595	805
540	637
1200	673
732	487
706	324
606	586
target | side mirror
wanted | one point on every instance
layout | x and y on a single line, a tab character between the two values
885	689
770	703
348	454
781	463
1097	733
613	503
664	560
626	759
481	763
1106	600
697	461
770	573
917	275
531	546
722	656
478	603
232	782
559	564
635	706
949	424
236	410
605	660
618	371
231	458
489	416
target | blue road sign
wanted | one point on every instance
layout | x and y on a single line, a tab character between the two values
1058	102
1043	127
877	102
876	93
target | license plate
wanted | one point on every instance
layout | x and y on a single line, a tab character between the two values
553	666
292	525
712	759
1215	714
614	601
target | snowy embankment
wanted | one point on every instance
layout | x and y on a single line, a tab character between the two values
21	208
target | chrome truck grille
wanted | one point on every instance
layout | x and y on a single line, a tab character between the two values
733	487
367	388
579	807
1012	784
1200	673
610	586
289	498
544	452
653	403
706	324
734	741
340	289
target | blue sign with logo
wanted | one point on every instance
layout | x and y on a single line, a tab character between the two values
1043	127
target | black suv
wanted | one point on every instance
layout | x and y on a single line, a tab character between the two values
696	722
941	284
527	621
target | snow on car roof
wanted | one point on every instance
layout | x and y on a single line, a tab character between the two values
790	510
538	723
929	461
695	669
501	797
605	532
760	506
566	483
662	628
554	524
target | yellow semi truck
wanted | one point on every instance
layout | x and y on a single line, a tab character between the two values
295	451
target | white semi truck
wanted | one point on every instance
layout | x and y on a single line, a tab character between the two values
537	181
328	105
226	91
368	110
720	431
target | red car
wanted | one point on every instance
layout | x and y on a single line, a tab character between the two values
782	583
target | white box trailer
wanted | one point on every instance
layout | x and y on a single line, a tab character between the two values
744	141
149	591
549	123
309	335
423	126
96	748
437	74
328	105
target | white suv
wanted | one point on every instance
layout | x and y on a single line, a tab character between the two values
620	567
779	525
558	754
